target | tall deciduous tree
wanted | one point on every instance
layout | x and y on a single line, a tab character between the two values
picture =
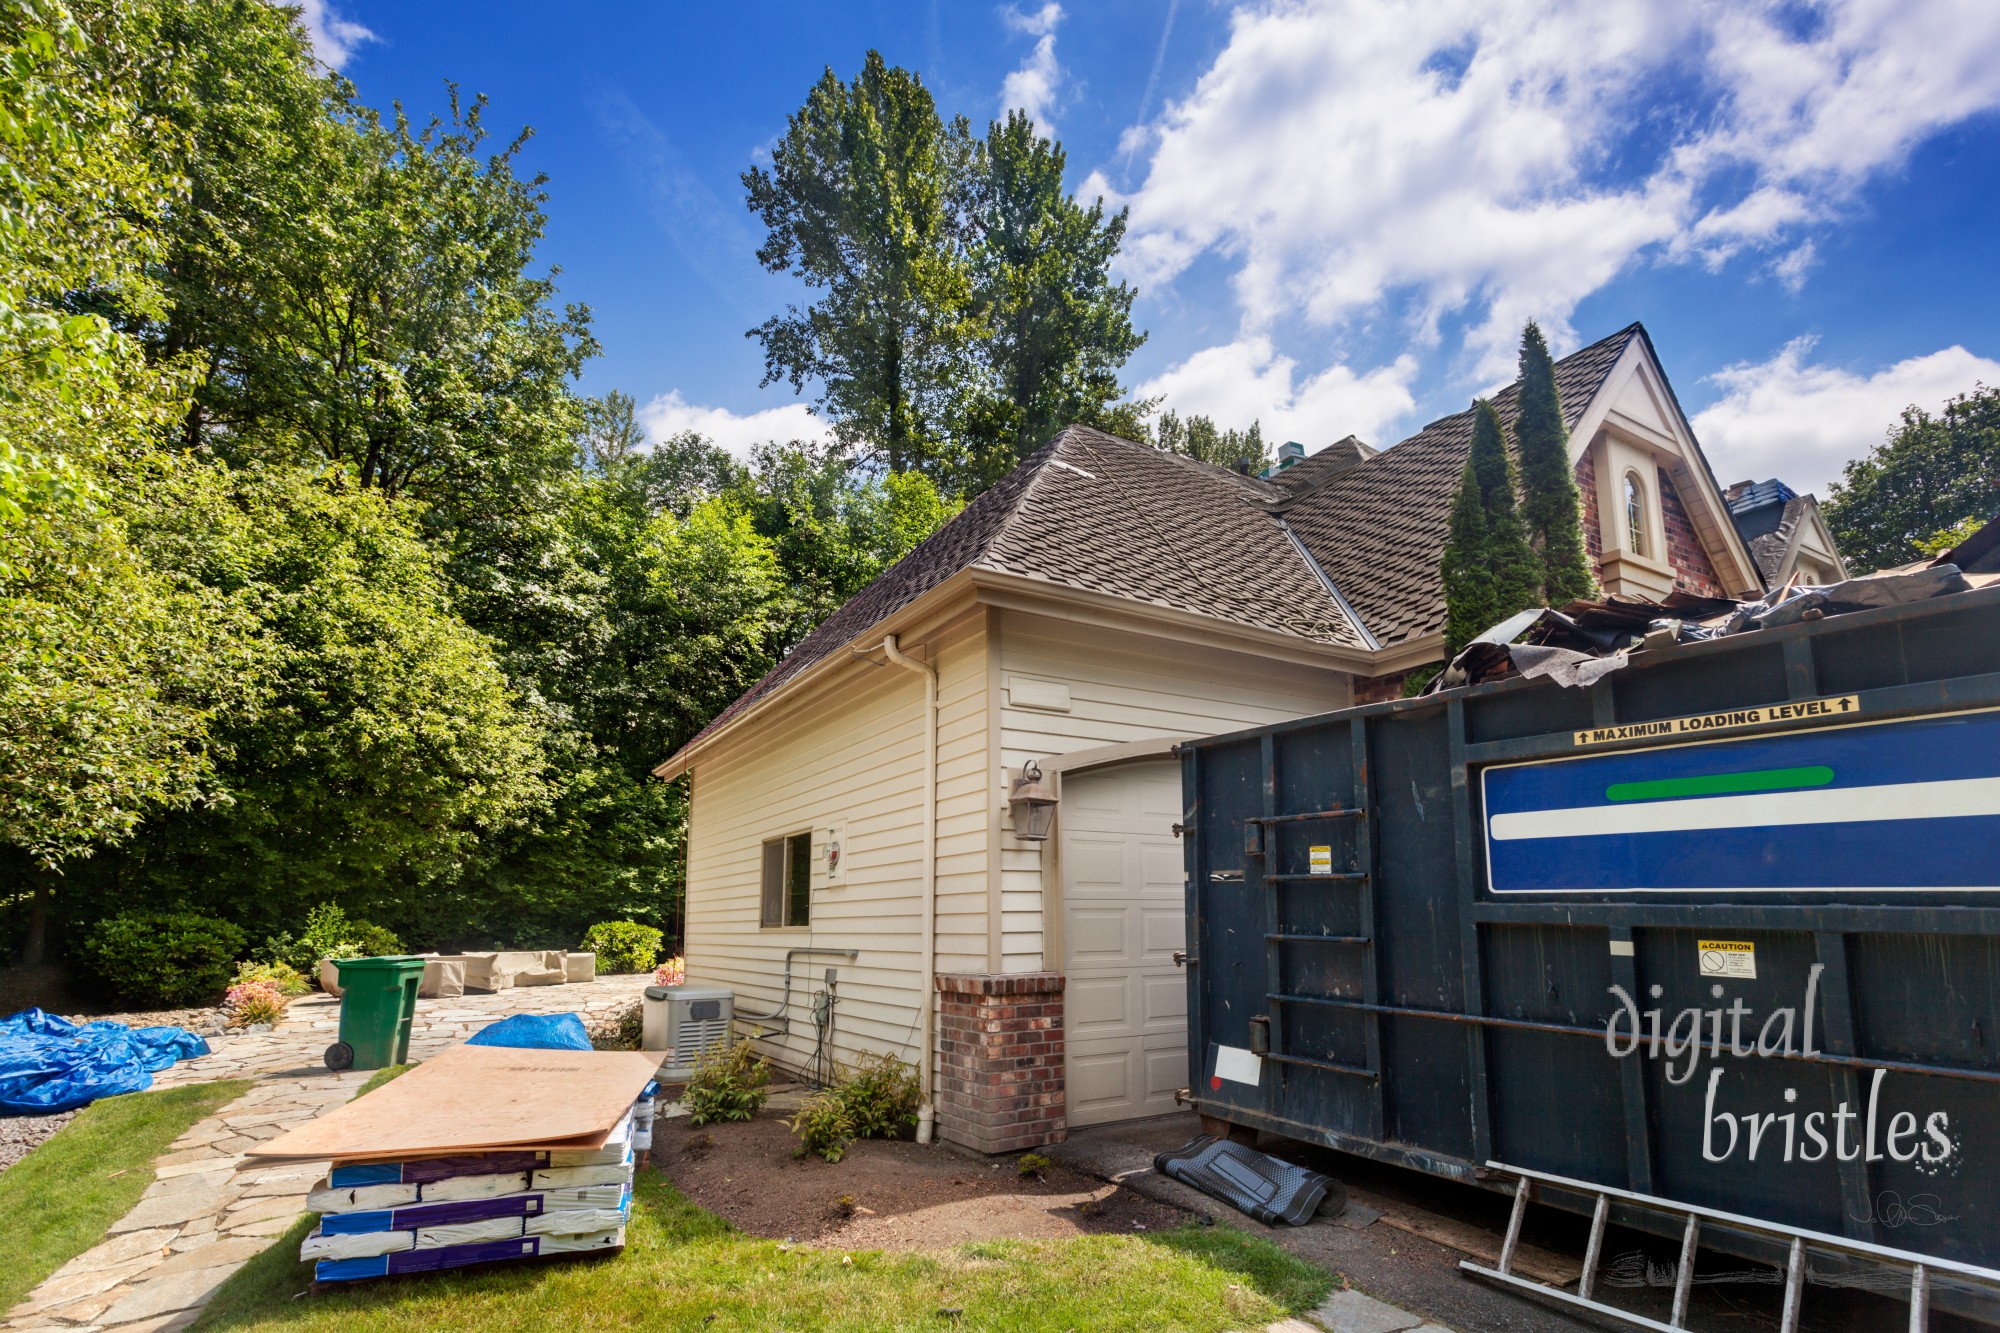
1933	473
1551	509
1199	437
1489	570
1054	326
859	204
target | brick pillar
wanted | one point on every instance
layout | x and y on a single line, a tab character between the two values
1000	1060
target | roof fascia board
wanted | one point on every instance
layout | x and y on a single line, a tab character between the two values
1810	534
1718	530
1019	592
926	607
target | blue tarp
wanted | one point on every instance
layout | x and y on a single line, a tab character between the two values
535	1032
48	1063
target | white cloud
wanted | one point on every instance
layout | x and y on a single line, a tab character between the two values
1249	380
1496	160
1033	87
739	433
1799	422
333	37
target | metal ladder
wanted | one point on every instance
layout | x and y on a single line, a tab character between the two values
1921	1267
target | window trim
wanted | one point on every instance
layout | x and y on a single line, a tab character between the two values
780	892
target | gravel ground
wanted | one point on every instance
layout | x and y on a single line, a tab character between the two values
206	1022
21	1133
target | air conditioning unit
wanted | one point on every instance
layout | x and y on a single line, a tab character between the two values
682	1023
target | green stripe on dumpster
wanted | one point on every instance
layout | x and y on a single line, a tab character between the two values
1722	784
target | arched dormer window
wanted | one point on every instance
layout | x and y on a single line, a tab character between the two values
1635	514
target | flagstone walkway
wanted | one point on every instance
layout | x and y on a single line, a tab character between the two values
211	1209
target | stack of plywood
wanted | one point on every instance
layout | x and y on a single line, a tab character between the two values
482	1155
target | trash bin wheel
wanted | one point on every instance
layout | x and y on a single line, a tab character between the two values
339	1056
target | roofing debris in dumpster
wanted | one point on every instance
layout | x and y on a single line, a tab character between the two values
1693	902
481	1155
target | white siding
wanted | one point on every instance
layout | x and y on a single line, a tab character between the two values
850	753
1122	688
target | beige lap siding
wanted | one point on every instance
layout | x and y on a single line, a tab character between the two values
1122	688
851	754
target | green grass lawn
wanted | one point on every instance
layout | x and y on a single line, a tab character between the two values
684	1268
59	1200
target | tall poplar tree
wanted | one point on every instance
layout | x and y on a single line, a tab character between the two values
1551	509
1489	570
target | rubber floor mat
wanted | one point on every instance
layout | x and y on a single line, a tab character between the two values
1249	1181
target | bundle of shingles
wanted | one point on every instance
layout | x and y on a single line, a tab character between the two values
482	1155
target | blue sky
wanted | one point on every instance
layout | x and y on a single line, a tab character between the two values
1342	212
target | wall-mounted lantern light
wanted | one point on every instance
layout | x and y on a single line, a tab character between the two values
1033	802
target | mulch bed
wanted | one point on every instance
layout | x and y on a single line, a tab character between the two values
887	1195
206	1022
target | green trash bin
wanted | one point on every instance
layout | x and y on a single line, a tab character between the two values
377	1001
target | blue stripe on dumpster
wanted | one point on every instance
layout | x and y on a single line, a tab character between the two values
1910	805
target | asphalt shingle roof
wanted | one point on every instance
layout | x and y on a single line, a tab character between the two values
1094	512
1378	527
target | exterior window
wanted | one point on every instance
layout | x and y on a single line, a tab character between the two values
788	880
1635	515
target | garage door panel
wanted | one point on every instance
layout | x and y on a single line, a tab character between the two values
1124	916
1099	936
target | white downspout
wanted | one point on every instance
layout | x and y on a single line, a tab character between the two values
927	983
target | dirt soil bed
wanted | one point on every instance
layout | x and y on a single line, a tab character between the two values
886	1195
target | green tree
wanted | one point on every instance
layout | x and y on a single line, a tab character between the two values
859	205
1931	473
1551	509
1488	568
1055	329
612	435
1199	437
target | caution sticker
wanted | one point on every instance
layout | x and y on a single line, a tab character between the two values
1321	859
1727	958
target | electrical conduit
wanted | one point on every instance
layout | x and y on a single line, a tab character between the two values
927	979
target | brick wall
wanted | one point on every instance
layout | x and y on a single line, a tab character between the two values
1000	1060
1593	535
1693	571
1376	689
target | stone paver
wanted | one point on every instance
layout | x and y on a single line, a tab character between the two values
210	1210
1352	1312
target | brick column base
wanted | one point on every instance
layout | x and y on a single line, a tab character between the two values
1000	1060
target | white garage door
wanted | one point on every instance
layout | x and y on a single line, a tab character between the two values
1124	915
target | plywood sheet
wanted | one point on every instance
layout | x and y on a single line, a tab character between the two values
479	1099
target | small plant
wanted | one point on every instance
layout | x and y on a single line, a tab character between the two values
252	1002
163	959
1033	1164
824	1124
624	1032
281	975
875	1098
673	972
881	1094
623	946
729	1083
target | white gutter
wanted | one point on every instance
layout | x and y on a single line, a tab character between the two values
927	974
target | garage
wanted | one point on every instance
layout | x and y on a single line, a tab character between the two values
1123	917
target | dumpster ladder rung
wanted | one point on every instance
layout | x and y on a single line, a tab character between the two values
1922	1268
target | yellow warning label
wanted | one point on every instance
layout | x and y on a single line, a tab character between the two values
1791	714
1321	859
1727	958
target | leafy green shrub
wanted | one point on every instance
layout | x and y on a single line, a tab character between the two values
882	1095
329	934
824	1125
163	959
1032	1164
875	1097
281	975
623	946
728	1084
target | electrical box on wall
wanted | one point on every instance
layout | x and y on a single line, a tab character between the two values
830	853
